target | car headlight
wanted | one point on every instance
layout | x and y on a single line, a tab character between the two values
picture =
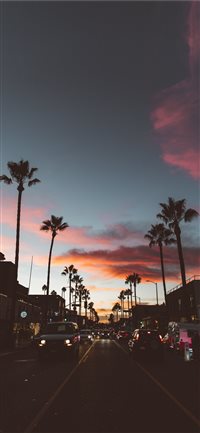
67	342
42	342
89	336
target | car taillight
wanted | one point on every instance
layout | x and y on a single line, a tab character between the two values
160	336
137	337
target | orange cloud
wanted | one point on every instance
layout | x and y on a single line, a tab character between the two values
118	263
175	116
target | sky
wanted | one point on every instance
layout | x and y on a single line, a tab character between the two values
101	97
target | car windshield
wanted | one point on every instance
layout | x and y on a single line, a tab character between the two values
59	328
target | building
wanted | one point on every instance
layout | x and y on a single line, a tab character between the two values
56	305
27	314
184	302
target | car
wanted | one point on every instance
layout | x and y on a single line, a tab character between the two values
123	335
146	344
86	336
57	338
104	334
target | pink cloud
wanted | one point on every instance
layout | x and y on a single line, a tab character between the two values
175	115
122	261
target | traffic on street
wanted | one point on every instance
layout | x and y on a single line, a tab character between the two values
104	389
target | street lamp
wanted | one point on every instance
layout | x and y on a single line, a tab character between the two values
156	284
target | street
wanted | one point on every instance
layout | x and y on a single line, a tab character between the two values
105	390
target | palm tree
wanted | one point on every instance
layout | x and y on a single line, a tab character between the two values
129	281
71	271
90	307
77	280
44	288
136	279
127	293
122	297
173	213
86	296
63	291
159	235
116	308
54	225
81	291
21	173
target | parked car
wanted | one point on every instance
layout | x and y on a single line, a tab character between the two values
86	335
123	335
58	338
146	344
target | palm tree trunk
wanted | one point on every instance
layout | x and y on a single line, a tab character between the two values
69	291
135	294
180	254
163	273
80	300
20	189
131	298
49	264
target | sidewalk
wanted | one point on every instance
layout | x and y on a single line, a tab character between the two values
23	344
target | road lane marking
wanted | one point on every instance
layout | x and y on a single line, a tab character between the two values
48	403
25	360
180	405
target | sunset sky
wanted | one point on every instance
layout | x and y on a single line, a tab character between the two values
101	97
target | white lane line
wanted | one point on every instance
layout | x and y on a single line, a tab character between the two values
25	360
48	403
180	405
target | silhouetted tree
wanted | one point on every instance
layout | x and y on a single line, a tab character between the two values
20	173
173	213
160	235
54	225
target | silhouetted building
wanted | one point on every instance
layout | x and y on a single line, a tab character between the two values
56	305
184	302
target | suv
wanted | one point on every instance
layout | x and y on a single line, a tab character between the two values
58	338
146	344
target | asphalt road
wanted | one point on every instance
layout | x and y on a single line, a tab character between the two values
105	391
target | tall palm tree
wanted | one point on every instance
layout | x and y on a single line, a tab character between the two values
90	308
129	281
122	297
53	225
173	213
136	279
77	280
81	291
160	235
63	291
86	297
71	271
127	293
116	308
20	173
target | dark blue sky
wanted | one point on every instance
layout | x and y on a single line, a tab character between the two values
80	82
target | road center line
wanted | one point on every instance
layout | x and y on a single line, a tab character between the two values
180	405
48	403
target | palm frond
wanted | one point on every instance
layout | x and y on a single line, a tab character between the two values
6	179
33	182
